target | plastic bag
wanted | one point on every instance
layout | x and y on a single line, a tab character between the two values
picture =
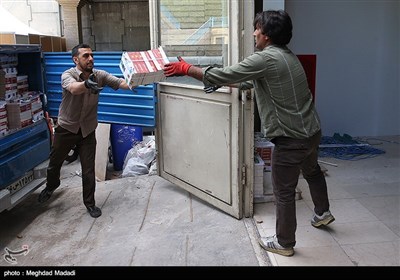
134	168
139	159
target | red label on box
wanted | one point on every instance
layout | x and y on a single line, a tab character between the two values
266	154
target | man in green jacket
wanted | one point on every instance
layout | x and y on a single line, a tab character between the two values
288	118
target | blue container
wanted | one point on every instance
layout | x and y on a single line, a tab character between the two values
123	138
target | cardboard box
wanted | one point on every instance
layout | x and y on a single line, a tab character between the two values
10	75
37	116
3	116
19	114
9	95
143	67
3	132
34	38
258	176
3	122
10	38
22	79
36	106
8	61
2	91
265	149
3	109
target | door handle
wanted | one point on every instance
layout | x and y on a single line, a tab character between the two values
246	95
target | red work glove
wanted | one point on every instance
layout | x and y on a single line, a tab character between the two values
180	68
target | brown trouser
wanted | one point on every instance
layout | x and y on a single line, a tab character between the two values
64	141
289	157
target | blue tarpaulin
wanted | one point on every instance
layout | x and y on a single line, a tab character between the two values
346	148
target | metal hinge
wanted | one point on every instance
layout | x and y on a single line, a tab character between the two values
244	174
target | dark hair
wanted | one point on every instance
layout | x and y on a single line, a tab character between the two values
277	25
75	50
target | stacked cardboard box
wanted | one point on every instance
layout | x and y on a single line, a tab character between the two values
258	176
8	83
2	84
143	67
8	76
19	113
19	107
36	108
264	148
8	60
22	85
3	118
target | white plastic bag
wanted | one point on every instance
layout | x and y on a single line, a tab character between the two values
134	168
139	158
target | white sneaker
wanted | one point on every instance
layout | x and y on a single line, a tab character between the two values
325	219
271	244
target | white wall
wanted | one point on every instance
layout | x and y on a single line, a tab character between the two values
358	62
42	15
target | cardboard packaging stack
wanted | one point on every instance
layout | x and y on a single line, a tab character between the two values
19	113
8	60
19	107
8	76
143	67
2	84
24	111
258	176
8	83
264	148
22	85
37	108
3	118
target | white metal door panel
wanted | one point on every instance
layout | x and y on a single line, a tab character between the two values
205	141
198	144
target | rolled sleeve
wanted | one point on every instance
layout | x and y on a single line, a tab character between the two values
68	78
105	78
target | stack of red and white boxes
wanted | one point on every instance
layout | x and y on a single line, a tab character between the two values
8	81
143	67
22	85
8	76
2	84
3	118
19	113
264	148
36	107
258	176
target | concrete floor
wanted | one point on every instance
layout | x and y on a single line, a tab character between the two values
147	221
365	200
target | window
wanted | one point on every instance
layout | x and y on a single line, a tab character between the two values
196	30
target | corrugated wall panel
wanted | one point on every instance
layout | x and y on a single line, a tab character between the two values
122	106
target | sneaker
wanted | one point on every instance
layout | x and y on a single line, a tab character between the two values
323	220
45	195
94	211
271	244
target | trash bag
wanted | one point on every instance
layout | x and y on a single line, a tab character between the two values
139	159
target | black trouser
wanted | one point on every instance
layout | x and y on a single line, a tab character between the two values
289	157
64	141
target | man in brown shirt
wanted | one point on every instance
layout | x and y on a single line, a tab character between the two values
77	122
